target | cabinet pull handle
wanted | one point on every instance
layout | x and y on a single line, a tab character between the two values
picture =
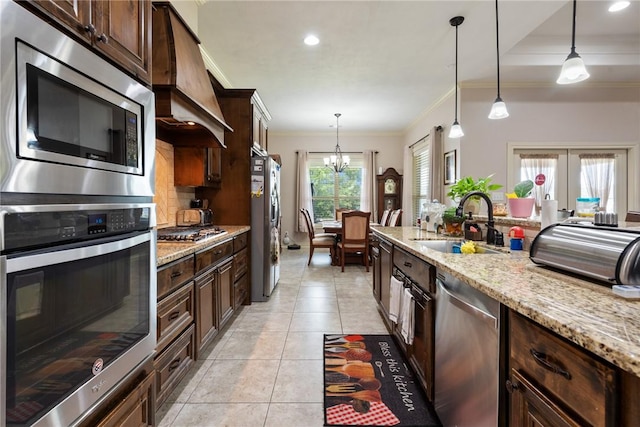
407	264
511	386
89	28
174	364
176	274
103	38
541	359
174	315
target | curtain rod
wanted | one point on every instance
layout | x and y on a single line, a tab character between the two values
343	152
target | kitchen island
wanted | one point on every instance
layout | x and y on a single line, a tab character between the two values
583	312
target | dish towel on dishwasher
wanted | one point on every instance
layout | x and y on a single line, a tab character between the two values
406	316
395	292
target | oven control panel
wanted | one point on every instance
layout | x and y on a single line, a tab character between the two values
23	230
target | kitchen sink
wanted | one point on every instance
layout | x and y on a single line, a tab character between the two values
447	246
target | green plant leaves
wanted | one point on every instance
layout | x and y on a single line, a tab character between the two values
523	188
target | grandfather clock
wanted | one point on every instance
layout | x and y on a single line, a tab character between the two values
389	191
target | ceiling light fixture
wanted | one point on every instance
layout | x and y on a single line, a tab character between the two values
337	161
456	129
311	40
499	108
573	69
617	6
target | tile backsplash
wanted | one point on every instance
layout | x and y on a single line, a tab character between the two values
168	198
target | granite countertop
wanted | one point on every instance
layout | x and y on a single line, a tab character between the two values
171	251
584	312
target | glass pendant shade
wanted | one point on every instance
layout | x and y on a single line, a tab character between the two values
573	70
456	130
498	110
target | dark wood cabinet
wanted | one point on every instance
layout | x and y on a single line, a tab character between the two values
207	314
120	30
231	201
386	267
225	290
241	267
197	167
375	263
389	191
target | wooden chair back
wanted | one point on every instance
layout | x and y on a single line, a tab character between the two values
307	219
355	227
339	213
394	219
384	219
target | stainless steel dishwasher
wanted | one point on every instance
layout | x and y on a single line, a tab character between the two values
466	355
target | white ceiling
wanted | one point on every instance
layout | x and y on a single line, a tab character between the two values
384	63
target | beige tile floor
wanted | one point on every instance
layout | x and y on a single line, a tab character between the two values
265	368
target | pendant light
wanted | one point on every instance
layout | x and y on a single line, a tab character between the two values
456	129
499	108
573	69
337	161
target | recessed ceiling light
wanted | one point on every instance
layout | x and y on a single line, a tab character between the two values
618	5
311	40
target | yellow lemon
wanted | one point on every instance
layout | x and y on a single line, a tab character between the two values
511	195
468	248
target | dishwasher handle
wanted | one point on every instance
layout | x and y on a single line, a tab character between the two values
469	308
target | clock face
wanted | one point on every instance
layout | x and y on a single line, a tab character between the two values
389	186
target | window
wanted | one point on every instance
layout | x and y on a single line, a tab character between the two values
421	192
331	190
576	172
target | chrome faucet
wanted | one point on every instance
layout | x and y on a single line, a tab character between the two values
493	236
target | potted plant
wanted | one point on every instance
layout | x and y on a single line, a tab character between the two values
452	222
467	184
519	202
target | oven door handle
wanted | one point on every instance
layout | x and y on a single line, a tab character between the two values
59	255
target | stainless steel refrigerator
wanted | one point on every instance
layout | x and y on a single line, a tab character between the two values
265	225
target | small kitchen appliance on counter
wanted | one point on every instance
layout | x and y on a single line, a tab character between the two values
607	254
194	217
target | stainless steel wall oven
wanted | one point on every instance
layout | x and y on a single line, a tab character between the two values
76	305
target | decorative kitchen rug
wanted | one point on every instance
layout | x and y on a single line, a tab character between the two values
368	382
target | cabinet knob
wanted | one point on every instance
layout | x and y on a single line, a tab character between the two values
89	28
511	386
103	38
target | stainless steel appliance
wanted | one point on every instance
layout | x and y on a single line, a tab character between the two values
194	217
72	122
187	234
608	254
466	354
77	306
265	225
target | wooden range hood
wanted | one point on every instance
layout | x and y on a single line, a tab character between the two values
187	111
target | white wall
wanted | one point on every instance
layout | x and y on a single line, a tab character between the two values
389	147
598	116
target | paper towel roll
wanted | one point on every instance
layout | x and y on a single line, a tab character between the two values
549	213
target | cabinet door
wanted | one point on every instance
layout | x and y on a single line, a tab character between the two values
123	32
421	351
136	409
375	260
385	276
207	323
225	287
197	167
531	408
76	15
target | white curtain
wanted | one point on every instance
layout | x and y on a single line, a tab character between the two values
533	165
437	167
597	174
407	187
368	183
303	185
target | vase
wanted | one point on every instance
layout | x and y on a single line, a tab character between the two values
521	208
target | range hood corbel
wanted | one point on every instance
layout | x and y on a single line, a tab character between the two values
187	111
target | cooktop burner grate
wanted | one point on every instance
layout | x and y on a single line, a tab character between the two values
188	234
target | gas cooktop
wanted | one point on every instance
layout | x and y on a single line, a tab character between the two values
188	234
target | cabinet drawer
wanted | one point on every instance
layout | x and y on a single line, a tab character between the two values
417	269
240	242
175	274
137	409
575	378
175	313
173	364
211	256
240	264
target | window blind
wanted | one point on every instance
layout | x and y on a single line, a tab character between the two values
421	174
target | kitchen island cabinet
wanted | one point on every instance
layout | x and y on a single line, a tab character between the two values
118	30
595	343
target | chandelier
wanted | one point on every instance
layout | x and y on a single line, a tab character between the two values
337	161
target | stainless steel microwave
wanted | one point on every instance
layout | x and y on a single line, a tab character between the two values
75	124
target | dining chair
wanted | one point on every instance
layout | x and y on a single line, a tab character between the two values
355	236
339	213
320	240
385	217
394	219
